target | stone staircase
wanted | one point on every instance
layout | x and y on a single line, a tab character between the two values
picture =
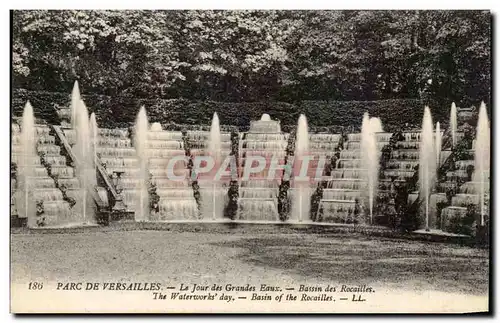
466	188
258	195
210	191
345	185
177	201
57	209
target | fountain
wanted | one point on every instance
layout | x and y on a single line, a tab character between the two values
438	145
453	123
26	168
85	169
75	101
482	159
301	188
94	130
370	157
214	143
427	168
140	143
212	193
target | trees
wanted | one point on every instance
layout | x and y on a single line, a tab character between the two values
256	55
110	52
236	55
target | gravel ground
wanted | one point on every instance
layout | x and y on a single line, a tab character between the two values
293	258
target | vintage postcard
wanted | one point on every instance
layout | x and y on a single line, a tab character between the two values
250	161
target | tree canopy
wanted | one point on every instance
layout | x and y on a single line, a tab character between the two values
256	55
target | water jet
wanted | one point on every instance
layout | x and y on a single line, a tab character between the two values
140	143
482	159
453	124
301	188
427	163
26	167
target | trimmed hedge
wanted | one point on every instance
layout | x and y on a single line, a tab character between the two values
44	105
325	116
393	113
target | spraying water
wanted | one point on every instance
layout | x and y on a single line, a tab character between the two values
438	144
453	123
140	143
482	158
302	141
75	101
301	201
370	157
214	143
94	130
26	164
214	150
427	163
85	169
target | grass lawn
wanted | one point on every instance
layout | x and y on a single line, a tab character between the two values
250	257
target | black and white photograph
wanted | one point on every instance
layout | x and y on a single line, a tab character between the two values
250	161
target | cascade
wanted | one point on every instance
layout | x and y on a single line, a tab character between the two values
266	134
177	202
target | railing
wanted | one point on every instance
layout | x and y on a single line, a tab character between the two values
100	170
447	140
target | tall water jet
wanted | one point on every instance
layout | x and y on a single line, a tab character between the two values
213	196
302	195
438	144
214	150
482	158
427	163
370	157
85	168
214	143
453	124
94	130
75	101
26	166
140	143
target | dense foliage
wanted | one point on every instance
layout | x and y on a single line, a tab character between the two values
231	208
286	56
